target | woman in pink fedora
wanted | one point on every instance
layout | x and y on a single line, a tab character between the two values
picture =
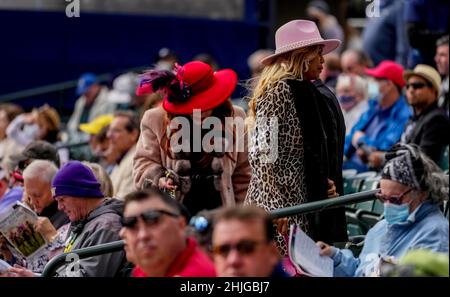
199	177
300	172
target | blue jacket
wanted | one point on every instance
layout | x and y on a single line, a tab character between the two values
425	228
390	131
13	195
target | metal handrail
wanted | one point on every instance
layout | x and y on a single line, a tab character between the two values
87	252
51	88
323	204
115	246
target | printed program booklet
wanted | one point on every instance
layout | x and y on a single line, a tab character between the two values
17	226
305	255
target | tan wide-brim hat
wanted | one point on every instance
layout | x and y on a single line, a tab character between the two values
298	34
426	72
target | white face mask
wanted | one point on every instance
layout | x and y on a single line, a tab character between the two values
32	131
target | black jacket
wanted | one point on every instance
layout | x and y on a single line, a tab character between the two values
430	132
324	132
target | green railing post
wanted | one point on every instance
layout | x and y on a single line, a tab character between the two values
323	204
110	247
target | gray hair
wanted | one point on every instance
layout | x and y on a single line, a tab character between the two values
436	179
43	169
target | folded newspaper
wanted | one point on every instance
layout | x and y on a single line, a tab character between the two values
305	255
17	226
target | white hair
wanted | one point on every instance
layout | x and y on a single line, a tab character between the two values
42	169
356	82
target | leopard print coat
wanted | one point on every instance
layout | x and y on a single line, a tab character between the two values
279	182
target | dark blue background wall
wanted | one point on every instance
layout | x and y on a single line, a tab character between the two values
39	48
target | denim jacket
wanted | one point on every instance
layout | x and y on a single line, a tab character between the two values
390	132
426	228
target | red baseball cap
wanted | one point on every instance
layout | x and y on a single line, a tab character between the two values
388	70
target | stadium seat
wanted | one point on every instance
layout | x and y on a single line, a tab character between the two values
378	207
370	183
355	244
349	173
353	184
353	225
367	219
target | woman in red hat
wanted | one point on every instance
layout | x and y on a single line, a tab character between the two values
297	167
186	167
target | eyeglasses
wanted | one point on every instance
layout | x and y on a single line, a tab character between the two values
151	217
393	199
416	86
243	247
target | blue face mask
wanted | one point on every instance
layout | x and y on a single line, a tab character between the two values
394	213
347	102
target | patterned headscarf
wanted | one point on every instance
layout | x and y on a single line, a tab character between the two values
405	166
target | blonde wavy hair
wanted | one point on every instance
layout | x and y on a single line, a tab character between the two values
291	65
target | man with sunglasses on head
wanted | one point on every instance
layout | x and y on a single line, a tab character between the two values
429	125
154	231
244	243
412	189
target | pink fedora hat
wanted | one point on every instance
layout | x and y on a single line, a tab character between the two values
297	34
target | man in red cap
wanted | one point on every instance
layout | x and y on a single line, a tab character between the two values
381	126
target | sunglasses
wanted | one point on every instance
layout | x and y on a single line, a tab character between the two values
393	199
150	218
416	86
243	247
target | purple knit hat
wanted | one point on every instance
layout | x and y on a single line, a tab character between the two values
76	180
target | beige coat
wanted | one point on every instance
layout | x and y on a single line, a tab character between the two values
122	175
151	161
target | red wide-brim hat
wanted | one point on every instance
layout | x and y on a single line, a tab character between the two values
222	86
189	87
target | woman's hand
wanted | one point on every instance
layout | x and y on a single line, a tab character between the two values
331	189
282	225
45	227
30	118
167	183
325	249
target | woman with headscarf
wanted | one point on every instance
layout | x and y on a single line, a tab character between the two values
412	189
